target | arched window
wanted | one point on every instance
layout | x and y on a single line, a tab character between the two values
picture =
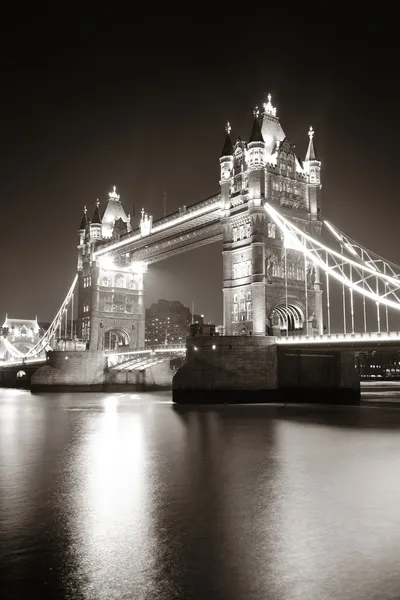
119	281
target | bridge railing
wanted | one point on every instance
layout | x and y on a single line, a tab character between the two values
340	338
114	358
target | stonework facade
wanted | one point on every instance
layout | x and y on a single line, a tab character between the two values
110	290
269	287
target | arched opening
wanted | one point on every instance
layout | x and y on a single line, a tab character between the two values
288	318
21	374
116	340
23	347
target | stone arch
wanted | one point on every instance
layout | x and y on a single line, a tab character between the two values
288	316
116	338
21	374
23	346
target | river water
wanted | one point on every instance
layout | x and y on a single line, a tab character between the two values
125	496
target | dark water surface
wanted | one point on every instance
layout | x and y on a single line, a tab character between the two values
125	496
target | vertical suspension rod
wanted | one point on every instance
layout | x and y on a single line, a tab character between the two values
364	307
351	300
344	298
328	301
306	290
386	306
286	292
72	317
378	315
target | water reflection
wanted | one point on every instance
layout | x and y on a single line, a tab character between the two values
108	503
125	496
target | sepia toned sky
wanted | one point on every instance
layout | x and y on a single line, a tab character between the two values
88	102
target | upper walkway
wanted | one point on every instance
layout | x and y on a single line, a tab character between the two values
191	227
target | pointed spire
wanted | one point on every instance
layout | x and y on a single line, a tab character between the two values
113	195
256	135
96	215
227	150
311	155
84	221
268	108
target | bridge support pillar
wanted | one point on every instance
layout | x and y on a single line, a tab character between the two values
258	297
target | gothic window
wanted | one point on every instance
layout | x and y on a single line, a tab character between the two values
248	295
242	306
235	308
235	297
241	232
248	230
235	234
271	230
131	283
119	281
235	318
129	308
105	281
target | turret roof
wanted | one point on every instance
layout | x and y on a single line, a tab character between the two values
84	220
96	215
113	211
256	134
311	154
227	150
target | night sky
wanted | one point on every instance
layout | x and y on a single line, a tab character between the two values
88	103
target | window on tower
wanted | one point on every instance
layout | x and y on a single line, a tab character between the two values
119	281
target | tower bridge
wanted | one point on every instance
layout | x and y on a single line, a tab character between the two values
277	271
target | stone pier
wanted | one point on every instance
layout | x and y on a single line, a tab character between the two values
237	369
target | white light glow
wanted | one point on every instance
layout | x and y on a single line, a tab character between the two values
106	262
210	208
139	267
284	225
340	338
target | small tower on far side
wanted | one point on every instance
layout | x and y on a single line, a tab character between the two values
95	225
83	226
312	167
226	164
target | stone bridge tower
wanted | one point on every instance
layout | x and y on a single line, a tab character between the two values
269	287
110	290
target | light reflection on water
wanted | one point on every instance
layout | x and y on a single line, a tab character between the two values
127	496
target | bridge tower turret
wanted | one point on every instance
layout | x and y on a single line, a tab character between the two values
256	186
110	287
269	286
95	224
312	167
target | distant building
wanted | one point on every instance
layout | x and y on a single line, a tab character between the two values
167	322
200	329
23	334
